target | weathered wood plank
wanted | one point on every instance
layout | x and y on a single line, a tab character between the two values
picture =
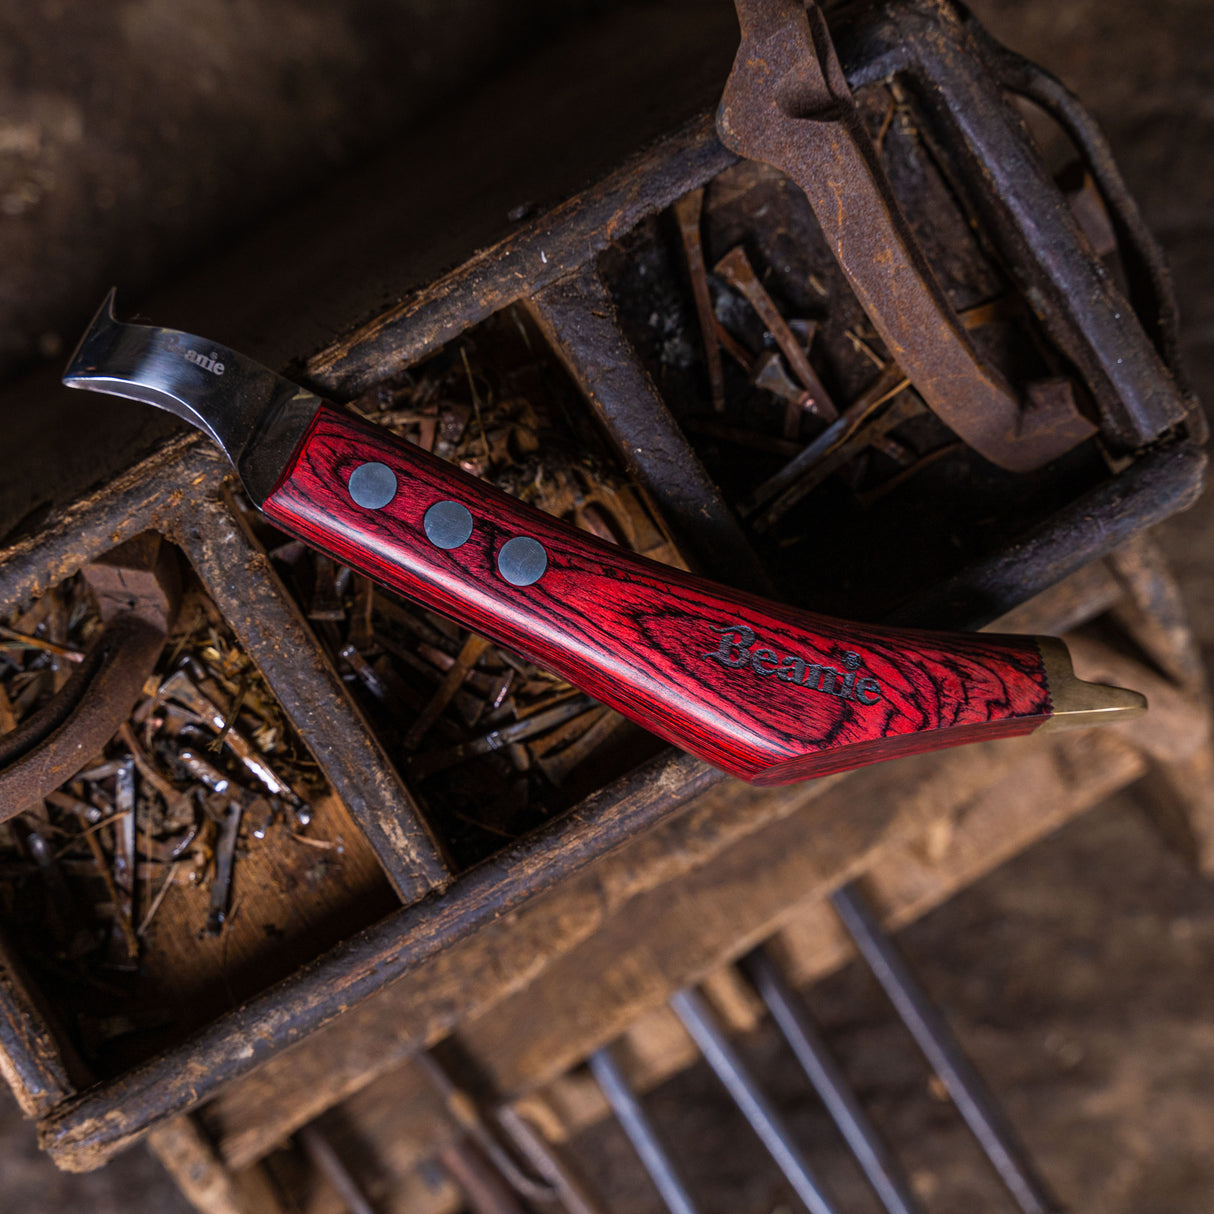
31	1061
847	819
273	631
189	1158
148	496
678	934
1152	489
662	939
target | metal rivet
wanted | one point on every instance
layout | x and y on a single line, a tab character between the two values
372	485
522	561
447	524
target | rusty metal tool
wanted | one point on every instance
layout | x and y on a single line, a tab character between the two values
484	1190
779	493
180	688
769	374
465	1112
787	103
219	906
754	1104
136	589
646	1140
549	1163
326	1160
792	1018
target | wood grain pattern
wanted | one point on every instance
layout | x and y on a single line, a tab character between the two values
761	690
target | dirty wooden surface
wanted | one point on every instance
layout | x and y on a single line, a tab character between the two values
690	876
617	982
289	901
85	1132
31	1062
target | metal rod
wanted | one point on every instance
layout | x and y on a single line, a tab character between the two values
931	1032
699	1021
641	1132
320	1151
485	1189
550	1163
871	1153
466	1113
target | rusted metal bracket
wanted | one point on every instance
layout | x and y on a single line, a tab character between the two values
136	589
788	104
959	83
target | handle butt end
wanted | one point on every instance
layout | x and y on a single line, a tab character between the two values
1080	705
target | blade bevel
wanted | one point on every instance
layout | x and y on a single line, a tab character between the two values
254	415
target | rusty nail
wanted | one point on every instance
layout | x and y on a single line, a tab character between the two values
688	211
735	269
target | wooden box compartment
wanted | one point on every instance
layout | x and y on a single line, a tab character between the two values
900	514
124	955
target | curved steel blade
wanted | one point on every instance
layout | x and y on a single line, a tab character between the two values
254	415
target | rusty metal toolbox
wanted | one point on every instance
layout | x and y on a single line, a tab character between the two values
897	520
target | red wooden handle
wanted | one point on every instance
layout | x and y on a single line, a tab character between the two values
764	691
